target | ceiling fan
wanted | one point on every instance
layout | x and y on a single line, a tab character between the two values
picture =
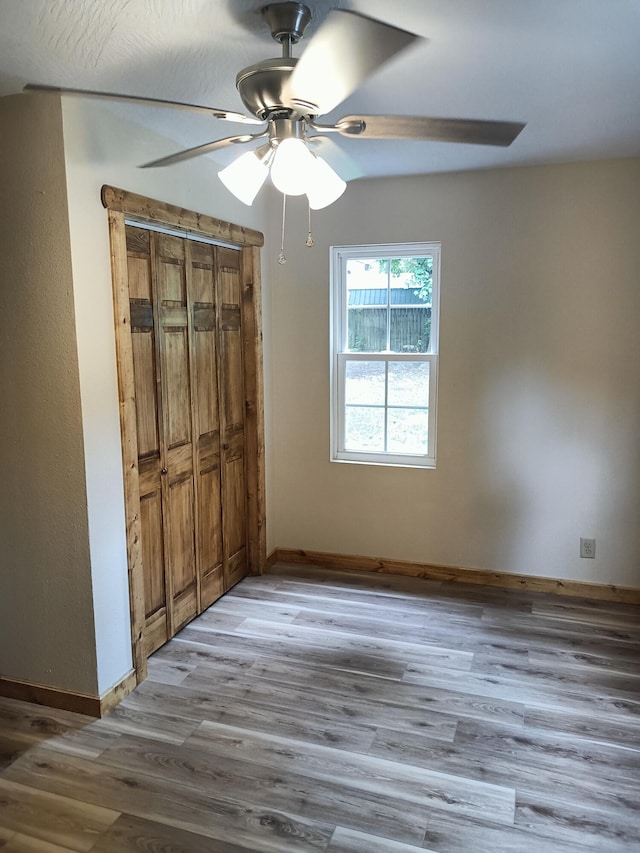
286	95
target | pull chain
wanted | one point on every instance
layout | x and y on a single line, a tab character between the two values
309	235
282	257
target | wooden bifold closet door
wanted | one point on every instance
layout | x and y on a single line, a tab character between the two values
186	341
187	310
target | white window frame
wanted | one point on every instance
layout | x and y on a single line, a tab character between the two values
340	355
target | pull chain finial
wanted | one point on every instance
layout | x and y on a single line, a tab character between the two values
309	235
282	259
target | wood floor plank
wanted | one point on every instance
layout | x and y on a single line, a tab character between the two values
60	820
550	749
351	841
156	724
413	708
395	698
501	755
547	628
540	693
311	597
446	834
311	711
628	663
400	780
593	829
20	843
599	613
625	733
23	725
354	657
168	671
398	586
131	834
561	674
318	725
240	610
87	742
163	799
269	786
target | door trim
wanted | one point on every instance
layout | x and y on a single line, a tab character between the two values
121	204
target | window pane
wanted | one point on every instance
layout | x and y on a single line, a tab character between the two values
410	328
408	431
367	300
410	284
364	383
364	429
408	383
367	329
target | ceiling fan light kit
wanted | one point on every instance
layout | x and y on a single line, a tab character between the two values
287	94
246	175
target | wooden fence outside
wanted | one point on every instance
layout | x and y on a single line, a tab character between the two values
410	329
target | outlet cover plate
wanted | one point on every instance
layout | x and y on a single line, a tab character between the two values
588	548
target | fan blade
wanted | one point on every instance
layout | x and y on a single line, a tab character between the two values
345	50
471	131
198	150
226	115
336	157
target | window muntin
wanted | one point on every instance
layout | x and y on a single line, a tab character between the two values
384	353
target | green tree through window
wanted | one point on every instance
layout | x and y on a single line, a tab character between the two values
420	270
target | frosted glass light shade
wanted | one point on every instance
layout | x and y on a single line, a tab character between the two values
292	167
245	176
325	185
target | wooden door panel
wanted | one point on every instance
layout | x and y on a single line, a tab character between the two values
140	276
172	286
212	586
177	415
143	342
231	370
229	271
202	299
143	346
202	283
143	349
149	475
233	502
156	630
210	533
156	633
177	398
181	534
171	279
138	241
152	557
236	569
232	415
206	379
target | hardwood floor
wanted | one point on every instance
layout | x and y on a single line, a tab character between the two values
315	711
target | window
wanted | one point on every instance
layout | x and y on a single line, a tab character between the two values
384	353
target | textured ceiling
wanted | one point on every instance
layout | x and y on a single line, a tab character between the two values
569	68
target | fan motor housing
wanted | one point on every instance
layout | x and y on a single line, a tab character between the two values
260	86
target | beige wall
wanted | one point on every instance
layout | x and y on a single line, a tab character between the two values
46	614
539	393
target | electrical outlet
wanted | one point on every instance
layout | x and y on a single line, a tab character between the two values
588	548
